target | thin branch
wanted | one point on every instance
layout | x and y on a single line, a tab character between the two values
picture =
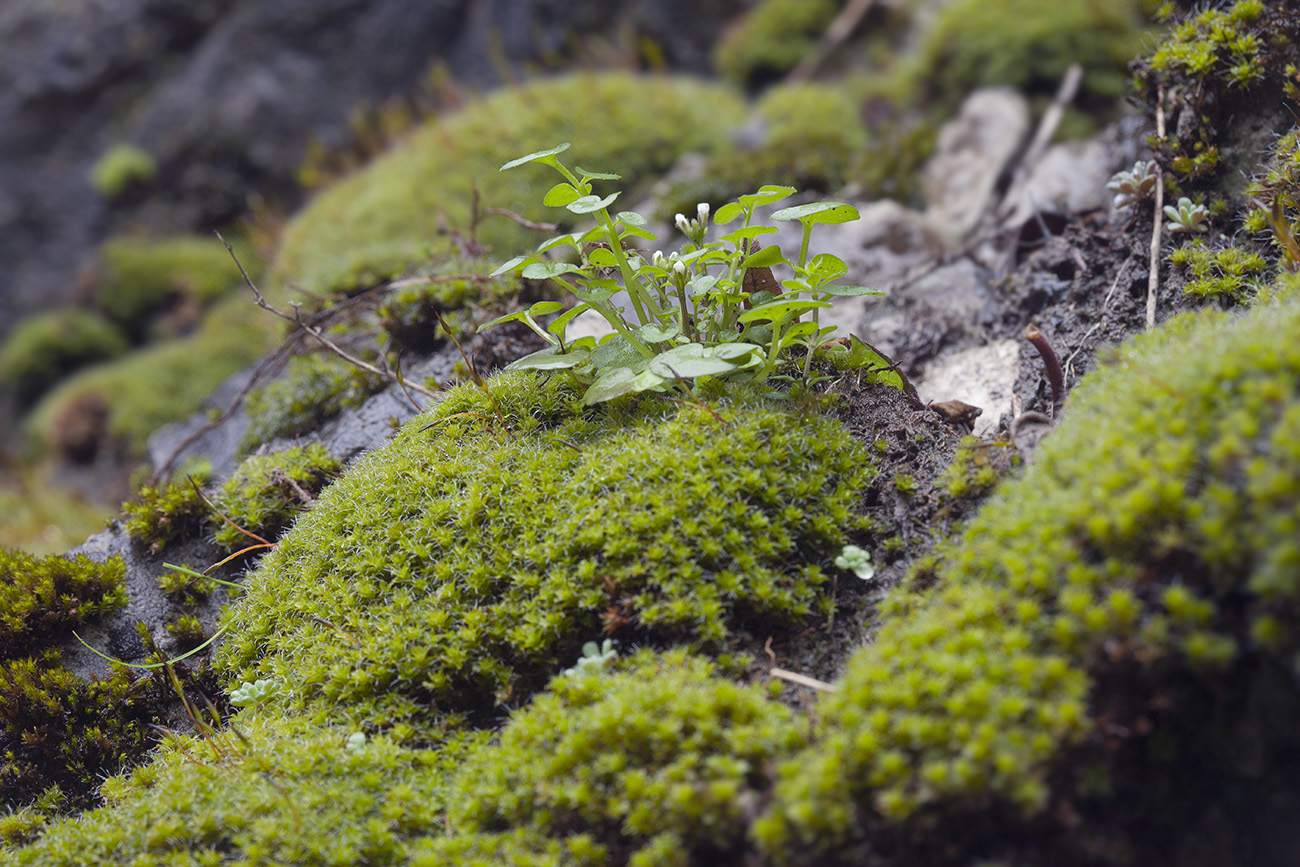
1043	136
315	332
1153	278
523	221
803	680
843	25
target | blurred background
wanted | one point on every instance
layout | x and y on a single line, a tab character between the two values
339	143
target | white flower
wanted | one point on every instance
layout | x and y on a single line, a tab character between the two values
679	267
702	210
683	224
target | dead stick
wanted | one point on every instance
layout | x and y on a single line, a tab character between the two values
1042	136
1153	278
315	332
803	680
840	28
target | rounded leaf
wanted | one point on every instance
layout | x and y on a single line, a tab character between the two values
537	156
819	212
560	195
546	270
728	213
588	204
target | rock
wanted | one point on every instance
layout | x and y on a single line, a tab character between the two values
972	152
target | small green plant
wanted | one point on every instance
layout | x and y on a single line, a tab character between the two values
694	315
595	657
1228	273
1135	185
857	561
1187	216
253	692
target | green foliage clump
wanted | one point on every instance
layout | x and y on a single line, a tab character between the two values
265	493
1230	273
656	765
160	383
43	349
392	215
42	595
1277	192
120	167
1029	44
771	40
59	730
315	389
1153	541
453	291
160	514
455	568
1216	67
268	791
142	279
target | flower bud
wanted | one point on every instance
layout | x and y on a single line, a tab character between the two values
683	225
702	210
679	268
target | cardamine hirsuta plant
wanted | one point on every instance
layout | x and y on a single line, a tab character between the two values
693	314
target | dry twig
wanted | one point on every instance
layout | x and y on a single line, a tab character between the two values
1153	278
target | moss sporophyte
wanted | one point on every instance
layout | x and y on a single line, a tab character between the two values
693	316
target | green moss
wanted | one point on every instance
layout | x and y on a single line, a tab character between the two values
771	39
160	383
40	596
395	213
267	491
277	792
659	764
456	291
144	280
455	568
1029	45
120	167
315	389
161	514
43	349
1216	68
1230	273
1158	524
813	138
976	467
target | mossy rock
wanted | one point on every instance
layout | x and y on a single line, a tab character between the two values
452	570
396	212
1029	45
139	392
268	790
157	288
661	763
266	492
1145	571
40	596
314	389
45	348
771	39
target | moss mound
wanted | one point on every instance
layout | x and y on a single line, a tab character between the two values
771	39
660	764
278	792
314	389
267	491
45	348
455	568
40	596
1154	547
397	211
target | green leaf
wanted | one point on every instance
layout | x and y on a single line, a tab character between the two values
537	156
620	381
560	195
764	258
550	358
561	322
775	311
692	360
819	212
637	232
653	333
595	291
618	352
546	270
545	308
588	204
741	235
599	176
602	257
630	218
509	266
520	316
849	291
766	195
728	213
570	240
827	266
700	284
